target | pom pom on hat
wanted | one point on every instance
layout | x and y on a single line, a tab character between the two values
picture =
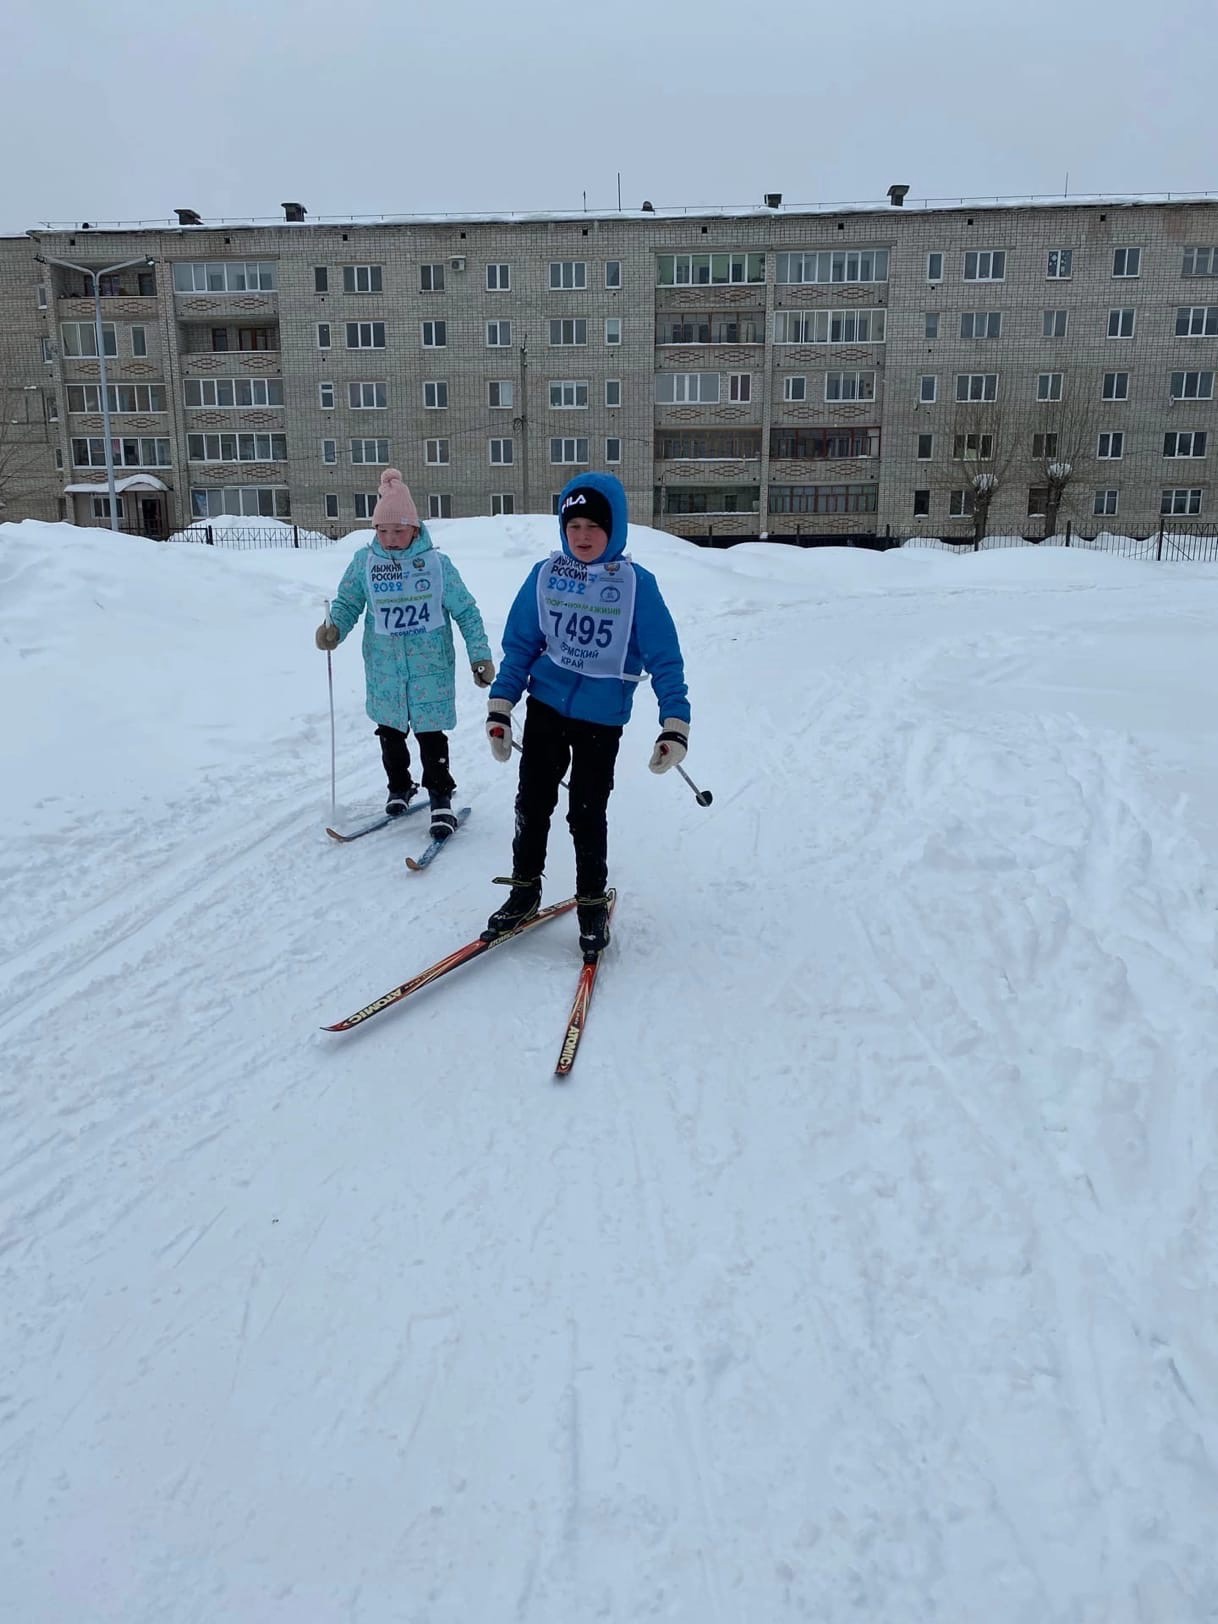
394	503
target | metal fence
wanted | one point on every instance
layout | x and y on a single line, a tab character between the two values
1168	544
253	538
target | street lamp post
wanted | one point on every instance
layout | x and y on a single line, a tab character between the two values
94	277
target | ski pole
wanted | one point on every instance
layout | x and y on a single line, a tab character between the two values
702	796
520	747
333	771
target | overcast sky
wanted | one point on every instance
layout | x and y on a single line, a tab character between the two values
127	109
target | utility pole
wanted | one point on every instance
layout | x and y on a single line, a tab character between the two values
94	277
522	421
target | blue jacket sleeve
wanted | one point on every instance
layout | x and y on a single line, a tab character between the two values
522	642
352	596
660	648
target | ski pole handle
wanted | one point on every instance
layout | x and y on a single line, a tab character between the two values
702	796
520	747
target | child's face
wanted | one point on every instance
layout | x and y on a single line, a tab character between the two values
396	535
586	540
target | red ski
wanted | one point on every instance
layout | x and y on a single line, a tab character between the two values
579	1008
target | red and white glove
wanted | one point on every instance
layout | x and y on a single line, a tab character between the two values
670	746
499	728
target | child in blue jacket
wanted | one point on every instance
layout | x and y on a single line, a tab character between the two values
585	626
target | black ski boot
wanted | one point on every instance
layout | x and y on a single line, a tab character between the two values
523	901
593	915
443	818
399	800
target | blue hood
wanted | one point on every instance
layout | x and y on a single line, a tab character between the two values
612	490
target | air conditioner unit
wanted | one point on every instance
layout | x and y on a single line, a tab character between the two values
457	262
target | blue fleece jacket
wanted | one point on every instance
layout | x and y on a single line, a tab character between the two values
653	647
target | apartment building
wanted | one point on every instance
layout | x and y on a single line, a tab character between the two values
826	371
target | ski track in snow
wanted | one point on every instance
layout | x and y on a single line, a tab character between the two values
864	1270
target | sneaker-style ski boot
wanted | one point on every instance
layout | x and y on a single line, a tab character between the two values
443	818
399	800
523	902
593	915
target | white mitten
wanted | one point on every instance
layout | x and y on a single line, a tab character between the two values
670	746
499	728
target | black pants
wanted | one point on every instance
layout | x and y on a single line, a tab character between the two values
552	742
433	752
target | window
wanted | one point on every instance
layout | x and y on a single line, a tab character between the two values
571	330
502	502
101	507
740	387
367	397
498	334
370	451
80	338
219	338
973	448
573	451
1185	443
708	270
440	506
431	279
1197	321
1181	503
362	279
1038	501
928	388
976	386
1105	502
613	273
435	396
934	267
931	319
568	273
821	499
921	505
135	451
235	392
50	403
145	281
325	396
1192	386
682	388
126	397
225	277
837	265
40	295
981	324
434	334
613	450
555	498
500	393
724	445
1120	323
1055	323
1044	445
1049	385
1110	447
829	326
47	353
1059	264
960	503
613	391
502	451
331	500
1126	261
139	341
435	451
1200	262
985	265
926	447
365	335
567	394
321	284
849	385
323	336
613	329
237	447
498	278
1116	386
255	338
365	506
329	450
795	388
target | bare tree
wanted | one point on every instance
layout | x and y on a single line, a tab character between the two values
1063	434
974	459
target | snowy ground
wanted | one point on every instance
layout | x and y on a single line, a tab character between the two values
867	1268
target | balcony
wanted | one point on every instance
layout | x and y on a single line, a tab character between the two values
702	328
206	363
115	307
226	306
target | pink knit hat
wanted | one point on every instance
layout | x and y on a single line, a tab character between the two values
394	503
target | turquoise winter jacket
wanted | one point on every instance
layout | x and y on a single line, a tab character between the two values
410	680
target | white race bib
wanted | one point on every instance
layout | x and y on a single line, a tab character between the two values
406	595
586	612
